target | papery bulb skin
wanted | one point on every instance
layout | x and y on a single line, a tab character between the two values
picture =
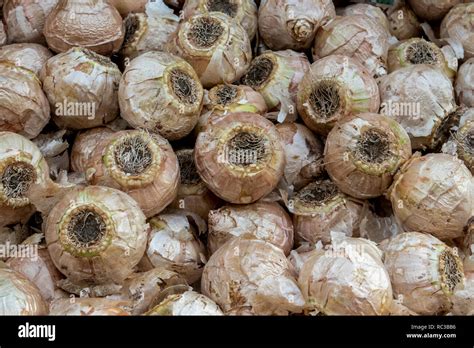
349	278
92	24
187	303
242	11
19	295
358	37
139	163
161	93
464	86
88	307
24	108
217	47
276	76
424	272
421	98
82	88
25	19
240	158
335	87
457	25
96	235
363	153
291	24
253	276
433	194
265	221
29	56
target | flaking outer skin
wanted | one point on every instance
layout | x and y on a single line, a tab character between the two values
464	85
88	307
434	194
30	56
264	220
349	279
231	185
187	303
253	276
457	25
117	261
147	102
412	260
84	146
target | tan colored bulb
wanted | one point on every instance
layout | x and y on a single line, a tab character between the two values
82	88
319	209
433	194
173	244
265	221
334	87
89	307
355	36
349	278
24	107
253	276
19	295
432	10
364	152
96	235
292	24
139	163
403	22
216	46
458	25
464	86
187	303
92	24
276	76
242	11
161	93
29	56
424	272
240	158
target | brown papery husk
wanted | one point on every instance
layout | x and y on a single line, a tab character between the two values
220	55
464	86
421	98
25	19
403	22
348	278
240	158
224	99
126	7
96	236
139	163
41	271
242	11
291	24
161	93
24	107
276	76
29	56
252	276
193	194
82	88
359	37
20	296
143	289
432	10
89	307
148	31
93	24
433	194
457	25
173	244
304	154
368	10
334	87
418	51
424	272
264	220
364	152
319	209
84	146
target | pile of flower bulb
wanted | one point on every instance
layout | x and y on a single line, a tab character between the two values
236	157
